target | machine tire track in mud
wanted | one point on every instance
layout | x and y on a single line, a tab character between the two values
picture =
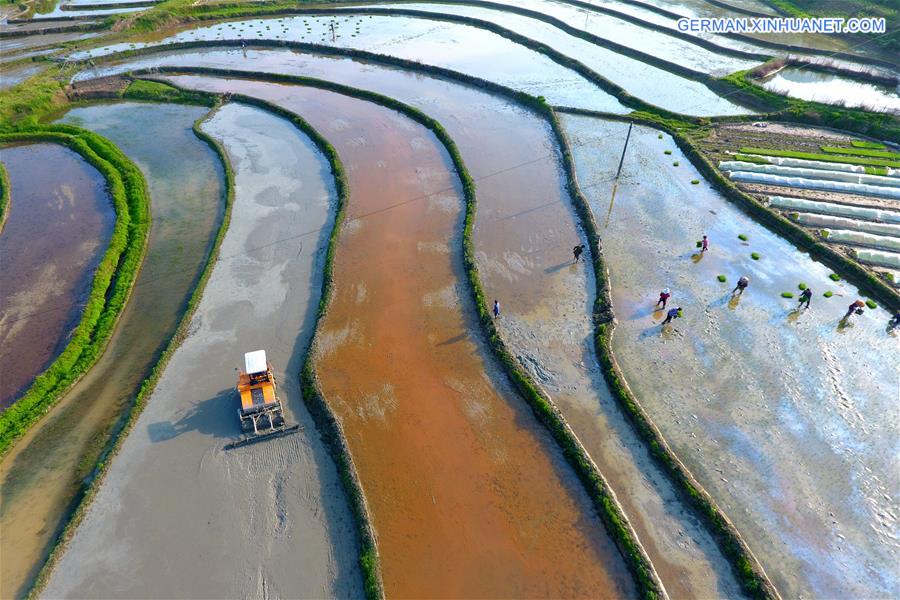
260	412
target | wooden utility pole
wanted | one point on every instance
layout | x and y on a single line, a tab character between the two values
618	172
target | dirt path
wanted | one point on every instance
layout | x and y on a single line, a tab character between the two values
179	517
788	418
43	472
59	225
469	496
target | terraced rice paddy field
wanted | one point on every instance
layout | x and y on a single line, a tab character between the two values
385	198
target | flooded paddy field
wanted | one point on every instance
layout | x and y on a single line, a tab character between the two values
454	46
42	473
177	513
18	44
16	75
652	84
59	225
468	494
833	89
789	418
634	36
500	144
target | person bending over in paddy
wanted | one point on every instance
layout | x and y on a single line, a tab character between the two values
664	297
496	308
856	307
805	297
742	284
576	251
673	313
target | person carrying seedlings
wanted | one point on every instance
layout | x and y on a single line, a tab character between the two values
856	307
576	251
496	308
805	297
742	284
704	244
673	313
664	297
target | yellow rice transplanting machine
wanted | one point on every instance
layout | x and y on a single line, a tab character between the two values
261	413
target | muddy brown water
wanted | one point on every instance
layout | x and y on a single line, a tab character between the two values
789	418
59	226
469	496
41	474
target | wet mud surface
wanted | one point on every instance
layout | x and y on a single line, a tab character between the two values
59	225
469	496
177	513
42	472
788	418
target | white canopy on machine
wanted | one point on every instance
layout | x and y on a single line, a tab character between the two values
255	362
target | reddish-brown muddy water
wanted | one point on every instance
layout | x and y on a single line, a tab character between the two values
59	225
789	418
469	496
42	472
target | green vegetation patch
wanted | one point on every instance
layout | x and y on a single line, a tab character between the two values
801	286
675	164
755	255
875	162
695	182
722	278
750	158
876	170
113	278
834	277
871	304
828	294
743	237
868	145
787	294
861	152
154	91
667	152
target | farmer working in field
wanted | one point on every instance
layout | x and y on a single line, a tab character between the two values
805	297
673	313
742	284
664	297
576	251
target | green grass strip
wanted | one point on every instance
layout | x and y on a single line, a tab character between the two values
822	157
542	406
751	158
869	145
861	152
4	196
113	279
127	422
